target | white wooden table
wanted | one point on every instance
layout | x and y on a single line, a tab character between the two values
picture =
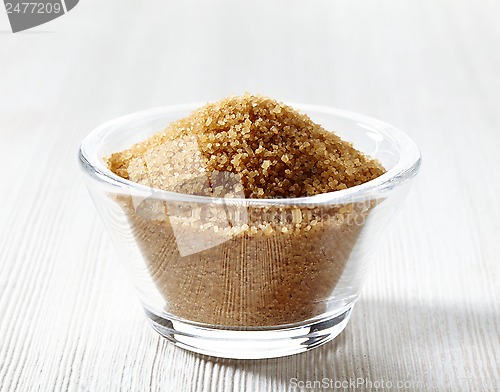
429	317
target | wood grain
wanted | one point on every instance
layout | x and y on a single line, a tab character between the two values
429	314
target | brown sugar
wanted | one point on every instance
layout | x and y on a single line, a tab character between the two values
238	264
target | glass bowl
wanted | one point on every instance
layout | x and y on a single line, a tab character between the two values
247	278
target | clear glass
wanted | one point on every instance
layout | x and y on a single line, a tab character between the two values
248	278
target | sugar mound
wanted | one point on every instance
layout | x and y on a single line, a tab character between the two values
270	148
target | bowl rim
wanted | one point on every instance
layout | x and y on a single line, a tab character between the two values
406	167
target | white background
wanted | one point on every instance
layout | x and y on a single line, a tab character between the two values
69	318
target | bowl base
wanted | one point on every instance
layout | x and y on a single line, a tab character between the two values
266	342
